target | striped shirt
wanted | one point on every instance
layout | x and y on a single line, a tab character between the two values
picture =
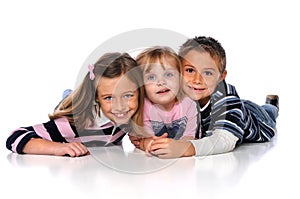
60	130
226	111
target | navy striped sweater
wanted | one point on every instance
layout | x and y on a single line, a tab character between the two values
228	112
60	130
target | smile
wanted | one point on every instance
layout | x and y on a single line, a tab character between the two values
121	115
197	89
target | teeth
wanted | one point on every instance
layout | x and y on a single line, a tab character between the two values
163	91
120	114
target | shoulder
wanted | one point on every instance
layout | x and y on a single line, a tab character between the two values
188	102
147	102
224	91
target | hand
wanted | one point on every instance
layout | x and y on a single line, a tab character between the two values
73	149
164	147
136	141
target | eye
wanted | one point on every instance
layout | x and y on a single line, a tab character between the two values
150	77
189	70
108	98
128	95
169	75
208	73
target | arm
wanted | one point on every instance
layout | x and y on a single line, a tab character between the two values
49	138
137	138
191	112
44	147
164	147
221	141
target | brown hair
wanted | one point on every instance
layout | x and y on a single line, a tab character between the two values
206	44
78	106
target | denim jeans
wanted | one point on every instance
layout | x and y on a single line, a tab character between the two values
64	95
266	113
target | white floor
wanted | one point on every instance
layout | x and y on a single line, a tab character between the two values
251	171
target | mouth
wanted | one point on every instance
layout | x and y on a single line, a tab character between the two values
197	89
163	91
121	115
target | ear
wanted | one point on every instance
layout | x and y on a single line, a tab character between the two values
223	75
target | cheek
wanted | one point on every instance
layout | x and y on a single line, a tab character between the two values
149	89
212	86
186	78
104	105
134	103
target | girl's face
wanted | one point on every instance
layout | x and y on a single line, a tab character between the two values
118	98
162	84
201	76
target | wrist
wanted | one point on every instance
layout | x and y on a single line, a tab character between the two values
142	144
190	150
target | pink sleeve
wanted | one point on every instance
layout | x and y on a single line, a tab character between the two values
190	108
147	124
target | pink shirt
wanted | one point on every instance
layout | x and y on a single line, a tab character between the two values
179	122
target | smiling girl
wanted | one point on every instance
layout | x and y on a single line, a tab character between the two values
106	105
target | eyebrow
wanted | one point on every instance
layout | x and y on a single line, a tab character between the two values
190	65
111	94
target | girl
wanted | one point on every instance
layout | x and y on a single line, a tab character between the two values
97	112
166	109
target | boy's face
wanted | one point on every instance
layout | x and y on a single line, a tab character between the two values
118	98
201	75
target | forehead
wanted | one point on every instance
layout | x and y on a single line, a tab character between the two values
158	64
199	60
115	85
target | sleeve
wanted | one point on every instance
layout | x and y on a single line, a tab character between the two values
147	117
192	117
221	141
58	130
18	139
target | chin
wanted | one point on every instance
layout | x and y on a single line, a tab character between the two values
120	121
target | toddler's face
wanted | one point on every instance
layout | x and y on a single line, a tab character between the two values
162	84
201	75
118	98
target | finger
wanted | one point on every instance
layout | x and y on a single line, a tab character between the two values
165	135
160	141
159	152
157	146
79	149
148	147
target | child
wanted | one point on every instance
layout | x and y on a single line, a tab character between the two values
166	109
226	120
97	112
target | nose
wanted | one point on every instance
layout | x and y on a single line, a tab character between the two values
119	105
161	82
198	79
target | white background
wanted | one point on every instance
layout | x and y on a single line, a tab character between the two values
43	45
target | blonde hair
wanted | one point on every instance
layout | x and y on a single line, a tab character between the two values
159	54
78	106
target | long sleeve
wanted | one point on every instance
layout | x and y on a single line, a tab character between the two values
58	130
221	141
189	108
